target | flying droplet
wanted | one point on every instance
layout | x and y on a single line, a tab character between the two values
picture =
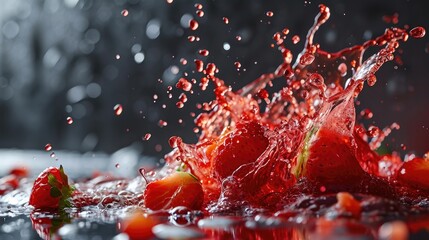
117	165
48	147
52	155
225	20
147	136
69	120
200	13
418	32
237	65
270	14
295	39
193	24
203	52
124	12
117	56
118	109
199	65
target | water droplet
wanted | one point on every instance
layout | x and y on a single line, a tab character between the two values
199	65
183	61
69	120
270	14
193	24
225	20
52	155
418	32
117	56
48	147
117	165
162	123
118	109
366	113
295	39
147	136
180	104
183	98
184	84
238	38
403	147
371	80
211	68
203	52
342	69
191	38
263	94
285	31
124	12
169	1
373	131
322	189
200	13
199	6
237	65
306	59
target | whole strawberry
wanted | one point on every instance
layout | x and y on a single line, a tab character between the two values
51	190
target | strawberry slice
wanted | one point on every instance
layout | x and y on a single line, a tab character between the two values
178	189
415	173
239	150
51	190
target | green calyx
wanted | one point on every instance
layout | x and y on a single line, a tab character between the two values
61	189
298	169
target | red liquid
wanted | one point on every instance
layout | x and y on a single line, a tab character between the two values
312	148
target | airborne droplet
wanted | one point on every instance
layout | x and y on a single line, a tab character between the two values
225	20
118	109
48	147
147	136
124	12
418	32
193	25
69	120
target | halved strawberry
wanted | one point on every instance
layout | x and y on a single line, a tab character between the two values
239	150
51	190
138	226
415	173
178	189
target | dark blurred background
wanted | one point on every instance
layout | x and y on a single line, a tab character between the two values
79	58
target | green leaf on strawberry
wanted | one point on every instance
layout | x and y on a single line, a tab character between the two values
51	190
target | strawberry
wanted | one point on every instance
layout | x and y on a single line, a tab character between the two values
415	173
51	190
328	155
239	150
177	189
331	160
138	226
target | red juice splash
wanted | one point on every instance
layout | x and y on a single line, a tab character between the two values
317	83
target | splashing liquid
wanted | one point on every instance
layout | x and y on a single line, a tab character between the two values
311	99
